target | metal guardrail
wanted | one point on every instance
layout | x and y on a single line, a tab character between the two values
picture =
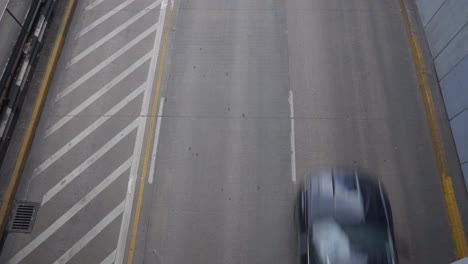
19	68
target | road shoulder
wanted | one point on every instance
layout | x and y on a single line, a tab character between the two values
453	168
17	152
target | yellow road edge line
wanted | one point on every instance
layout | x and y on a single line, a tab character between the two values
36	115
149	141
458	232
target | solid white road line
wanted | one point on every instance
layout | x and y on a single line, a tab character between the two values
52	129
103	64
112	34
156	141
109	259
292	137
50	230
91	234
125	224
103	18
87	131
93	4
88	162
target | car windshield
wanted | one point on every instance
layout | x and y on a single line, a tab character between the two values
357	243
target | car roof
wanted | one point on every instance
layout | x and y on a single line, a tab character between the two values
345	196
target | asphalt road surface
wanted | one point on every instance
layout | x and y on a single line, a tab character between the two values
224	185
255	95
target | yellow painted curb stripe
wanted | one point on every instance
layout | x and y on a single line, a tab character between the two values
458	232
149	140
36	115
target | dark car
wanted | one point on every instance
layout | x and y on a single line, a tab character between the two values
345	218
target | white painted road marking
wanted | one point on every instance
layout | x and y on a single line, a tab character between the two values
156	141
109	259
123	234
91	234
47	235
292	137
52	129
103	18
103	64
112	34
88	162
87	131
36	242
93	4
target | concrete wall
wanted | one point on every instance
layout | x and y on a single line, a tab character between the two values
446	25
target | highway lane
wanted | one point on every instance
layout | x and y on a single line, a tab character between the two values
358	104
224	186
223	191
